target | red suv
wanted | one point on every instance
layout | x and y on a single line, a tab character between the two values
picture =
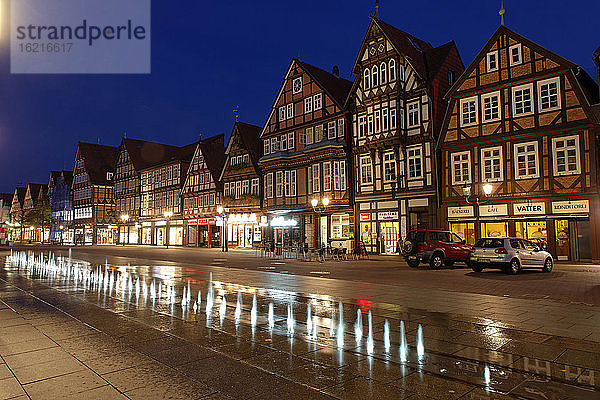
435	247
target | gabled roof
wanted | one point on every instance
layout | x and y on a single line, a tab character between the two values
68	177
145	154
7	197
20	193
250	137
435	58
99	159
34	190
337	88
213	151
502	29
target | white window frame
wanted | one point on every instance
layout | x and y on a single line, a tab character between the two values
279	184
291	142
393	119
362	126
289	111
299	81
470	101
539	90
327	175
255	187
377	121
370	125
286	183
282	114
392	65
316	178
374	76
367	79
416	110
309	135
454	163
283	143
331	130
383	73
269	185
389	158
517	47
499	158
317	101
413	158
488	58
516	155
274	144
555	156
514	91
308	104
486	96
319	133
293	185
366	165
340	127
385	120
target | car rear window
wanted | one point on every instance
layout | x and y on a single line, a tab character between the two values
417	236
489	243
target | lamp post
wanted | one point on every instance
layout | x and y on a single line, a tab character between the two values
223	214
315	203
167	214
61	234
487	191
124	219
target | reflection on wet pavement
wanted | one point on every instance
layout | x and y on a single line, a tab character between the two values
345	348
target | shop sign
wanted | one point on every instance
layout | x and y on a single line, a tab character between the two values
264	220
281	222
491	210
387	215
160	223
192	222
206	221
460	212
569	207
365	217
146	223
529	208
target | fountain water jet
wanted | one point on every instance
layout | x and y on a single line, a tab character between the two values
370	343
420	345
358	328
340	330
403	347
222	309
238	308
253	312
386	336
309	323
271	317
290	319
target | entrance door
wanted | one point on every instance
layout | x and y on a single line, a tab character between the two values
584	245
390	234
561	227
249	233
324	235
161	236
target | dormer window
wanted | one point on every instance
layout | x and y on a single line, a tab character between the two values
297	85
492	61
514	54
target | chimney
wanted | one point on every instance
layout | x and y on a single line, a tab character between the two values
336	71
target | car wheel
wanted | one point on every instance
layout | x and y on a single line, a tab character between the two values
409	247
514	267
413	263
548	265
475	266
437	260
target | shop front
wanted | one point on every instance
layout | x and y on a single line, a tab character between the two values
341	231
107	235
203	232
176	233
380	231
83	235
285	230
146	232
562	227
130	234
243	230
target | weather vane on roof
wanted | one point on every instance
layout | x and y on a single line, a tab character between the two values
236	110
376	8
502	12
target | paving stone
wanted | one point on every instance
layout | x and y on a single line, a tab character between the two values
64	385
49	369
535	350
580	358
431	385
363	388
37	357
10	388
106	392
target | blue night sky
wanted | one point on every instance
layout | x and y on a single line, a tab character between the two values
208	57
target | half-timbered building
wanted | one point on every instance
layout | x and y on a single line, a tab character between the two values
61	206
36	196
519	146
202	191
94	216
161	218
305	146
398	110
134	156
17	214
242	186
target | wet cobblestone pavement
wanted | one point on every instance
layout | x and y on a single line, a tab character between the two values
71	329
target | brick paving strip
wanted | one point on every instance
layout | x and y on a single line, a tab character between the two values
84	351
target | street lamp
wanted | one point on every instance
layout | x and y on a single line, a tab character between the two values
167	214
125	218
487	191
61	234
224	245
314	202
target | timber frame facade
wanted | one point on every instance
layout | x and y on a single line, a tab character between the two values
202	191
306	157
519	119
398	108
94	217
242	187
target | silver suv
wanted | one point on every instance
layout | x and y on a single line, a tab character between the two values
509	254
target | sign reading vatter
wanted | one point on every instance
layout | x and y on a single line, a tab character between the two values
80	37
529	208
